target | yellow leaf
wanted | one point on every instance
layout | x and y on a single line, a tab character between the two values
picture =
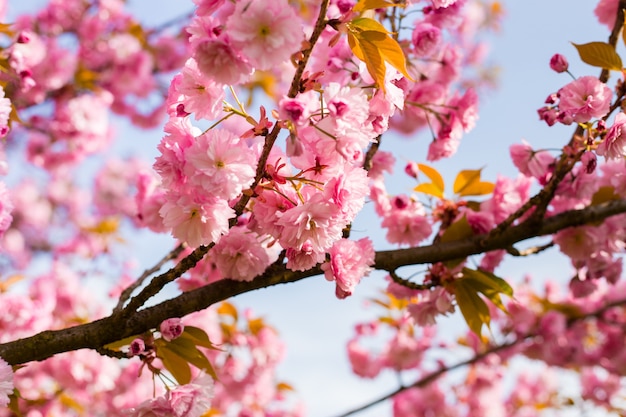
433	175
6	29
371	43
604	194
390	50
198	337
373	60
188	351
366	24
6	283
228	309
468	182
599	54
430	189
283	386
624	31
85	78
106	226
479	188
354	46
14	404
177	366
71	403
464	178
255	325
373	4
458	230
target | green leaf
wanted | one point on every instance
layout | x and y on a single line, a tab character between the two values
474	310
599	54
468	182
373	4
490	280
198	337
121	343
14	404
488	284
188	351
458	230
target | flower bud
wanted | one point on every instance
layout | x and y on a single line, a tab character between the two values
559	63
171	329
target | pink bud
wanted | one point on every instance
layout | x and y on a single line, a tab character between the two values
137	347
548	115
171	329
559	63
411	169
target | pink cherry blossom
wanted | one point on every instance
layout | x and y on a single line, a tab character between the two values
605	12
530	162
584	99
220	163
6	206
219	61
266	33
198	92
363	363
349	262
198	220
6	382
613	146
242	254
171	329
314	222
426	39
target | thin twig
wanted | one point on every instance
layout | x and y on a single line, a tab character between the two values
409	284
422	382
148	272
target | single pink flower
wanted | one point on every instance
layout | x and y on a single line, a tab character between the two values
171	329
349	262
614	144
267	33
584	99
426	39
220	163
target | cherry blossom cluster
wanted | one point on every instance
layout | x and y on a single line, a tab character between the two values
281	185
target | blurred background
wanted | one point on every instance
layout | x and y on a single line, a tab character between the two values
314	325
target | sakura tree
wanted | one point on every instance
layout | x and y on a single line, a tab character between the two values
278	124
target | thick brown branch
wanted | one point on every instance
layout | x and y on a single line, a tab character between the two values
391	260
115	327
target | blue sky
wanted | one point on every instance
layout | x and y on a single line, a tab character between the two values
313	323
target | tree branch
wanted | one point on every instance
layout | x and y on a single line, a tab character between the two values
422	382
117	326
